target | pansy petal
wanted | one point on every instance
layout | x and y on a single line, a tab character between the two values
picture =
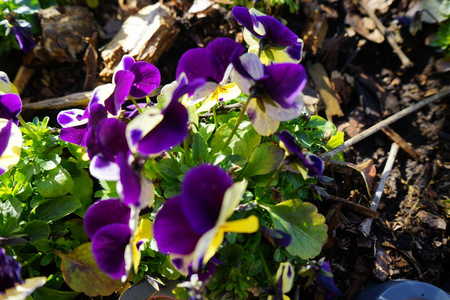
290	142
285	114
74	135
315	165
104	169
250	66
248	20
6	86
126	63
172	231
203	190
10	145
141	126
200	63
285	83
71	118
9	272
147	78
110	138
170	132
203	91
207	246
10	107
231	200
123	81
277	32
143	233
247	225
225	49
108	248
103	213
285	274
261	122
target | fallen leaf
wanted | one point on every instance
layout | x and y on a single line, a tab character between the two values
431	220
82	274
443	64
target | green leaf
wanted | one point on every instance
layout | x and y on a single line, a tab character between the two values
44	293
321	124
10	227
37	230
249	141
264	159
306	226
335	141
49	162
199	148
56	182
12	208
56	208
167	270
221	135
82	274
83	189
206	130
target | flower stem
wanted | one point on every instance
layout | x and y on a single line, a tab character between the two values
216	122
236	126
187	156
135	104
31	259
28	130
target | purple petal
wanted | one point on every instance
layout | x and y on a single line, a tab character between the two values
5	134
201	63
103	213
187	88
170	132
290	142
327	283
278	236
23	37
110	138
74	135
126	63
9	272
225	49
123	81
97	112
314	164
10	107
147	78
130	181
172	231
203	190
285	82
108	248
243	17
277	32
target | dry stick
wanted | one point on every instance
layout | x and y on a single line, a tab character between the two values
367	223
391	40
368	132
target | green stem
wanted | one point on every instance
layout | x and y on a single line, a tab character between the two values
216	122
31	259
264	265
135	104
274	176
187	153
236	126
28	130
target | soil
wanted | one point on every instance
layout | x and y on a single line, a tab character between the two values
410	238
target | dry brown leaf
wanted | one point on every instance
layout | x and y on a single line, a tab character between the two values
431	220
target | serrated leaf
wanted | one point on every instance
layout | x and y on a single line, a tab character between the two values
82	274
304	223
56	182
49	162
264	159
56	208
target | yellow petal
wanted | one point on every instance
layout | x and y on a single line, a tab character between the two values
247	225
144	232
231	200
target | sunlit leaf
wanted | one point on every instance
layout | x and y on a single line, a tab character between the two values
306	226
264	159
82	274
56	208
55	183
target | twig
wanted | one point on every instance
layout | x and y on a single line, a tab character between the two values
396	138
358	207
367	223
368	132
401	55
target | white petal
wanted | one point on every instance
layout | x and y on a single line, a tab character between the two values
285	114
103	169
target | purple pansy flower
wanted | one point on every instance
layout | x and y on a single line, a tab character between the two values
136	79
21	31
268	37
274	91
10	145
112	227
10	107
155	131
208	198
11	284
213	65
310	165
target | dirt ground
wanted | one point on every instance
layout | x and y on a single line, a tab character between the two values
410	238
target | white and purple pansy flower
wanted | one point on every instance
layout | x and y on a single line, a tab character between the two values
131	78
268	37
114	162
10	107
213	64
155	131
208	199
274	91
112	227
309	165
6	86
10	145
12	286
21	31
